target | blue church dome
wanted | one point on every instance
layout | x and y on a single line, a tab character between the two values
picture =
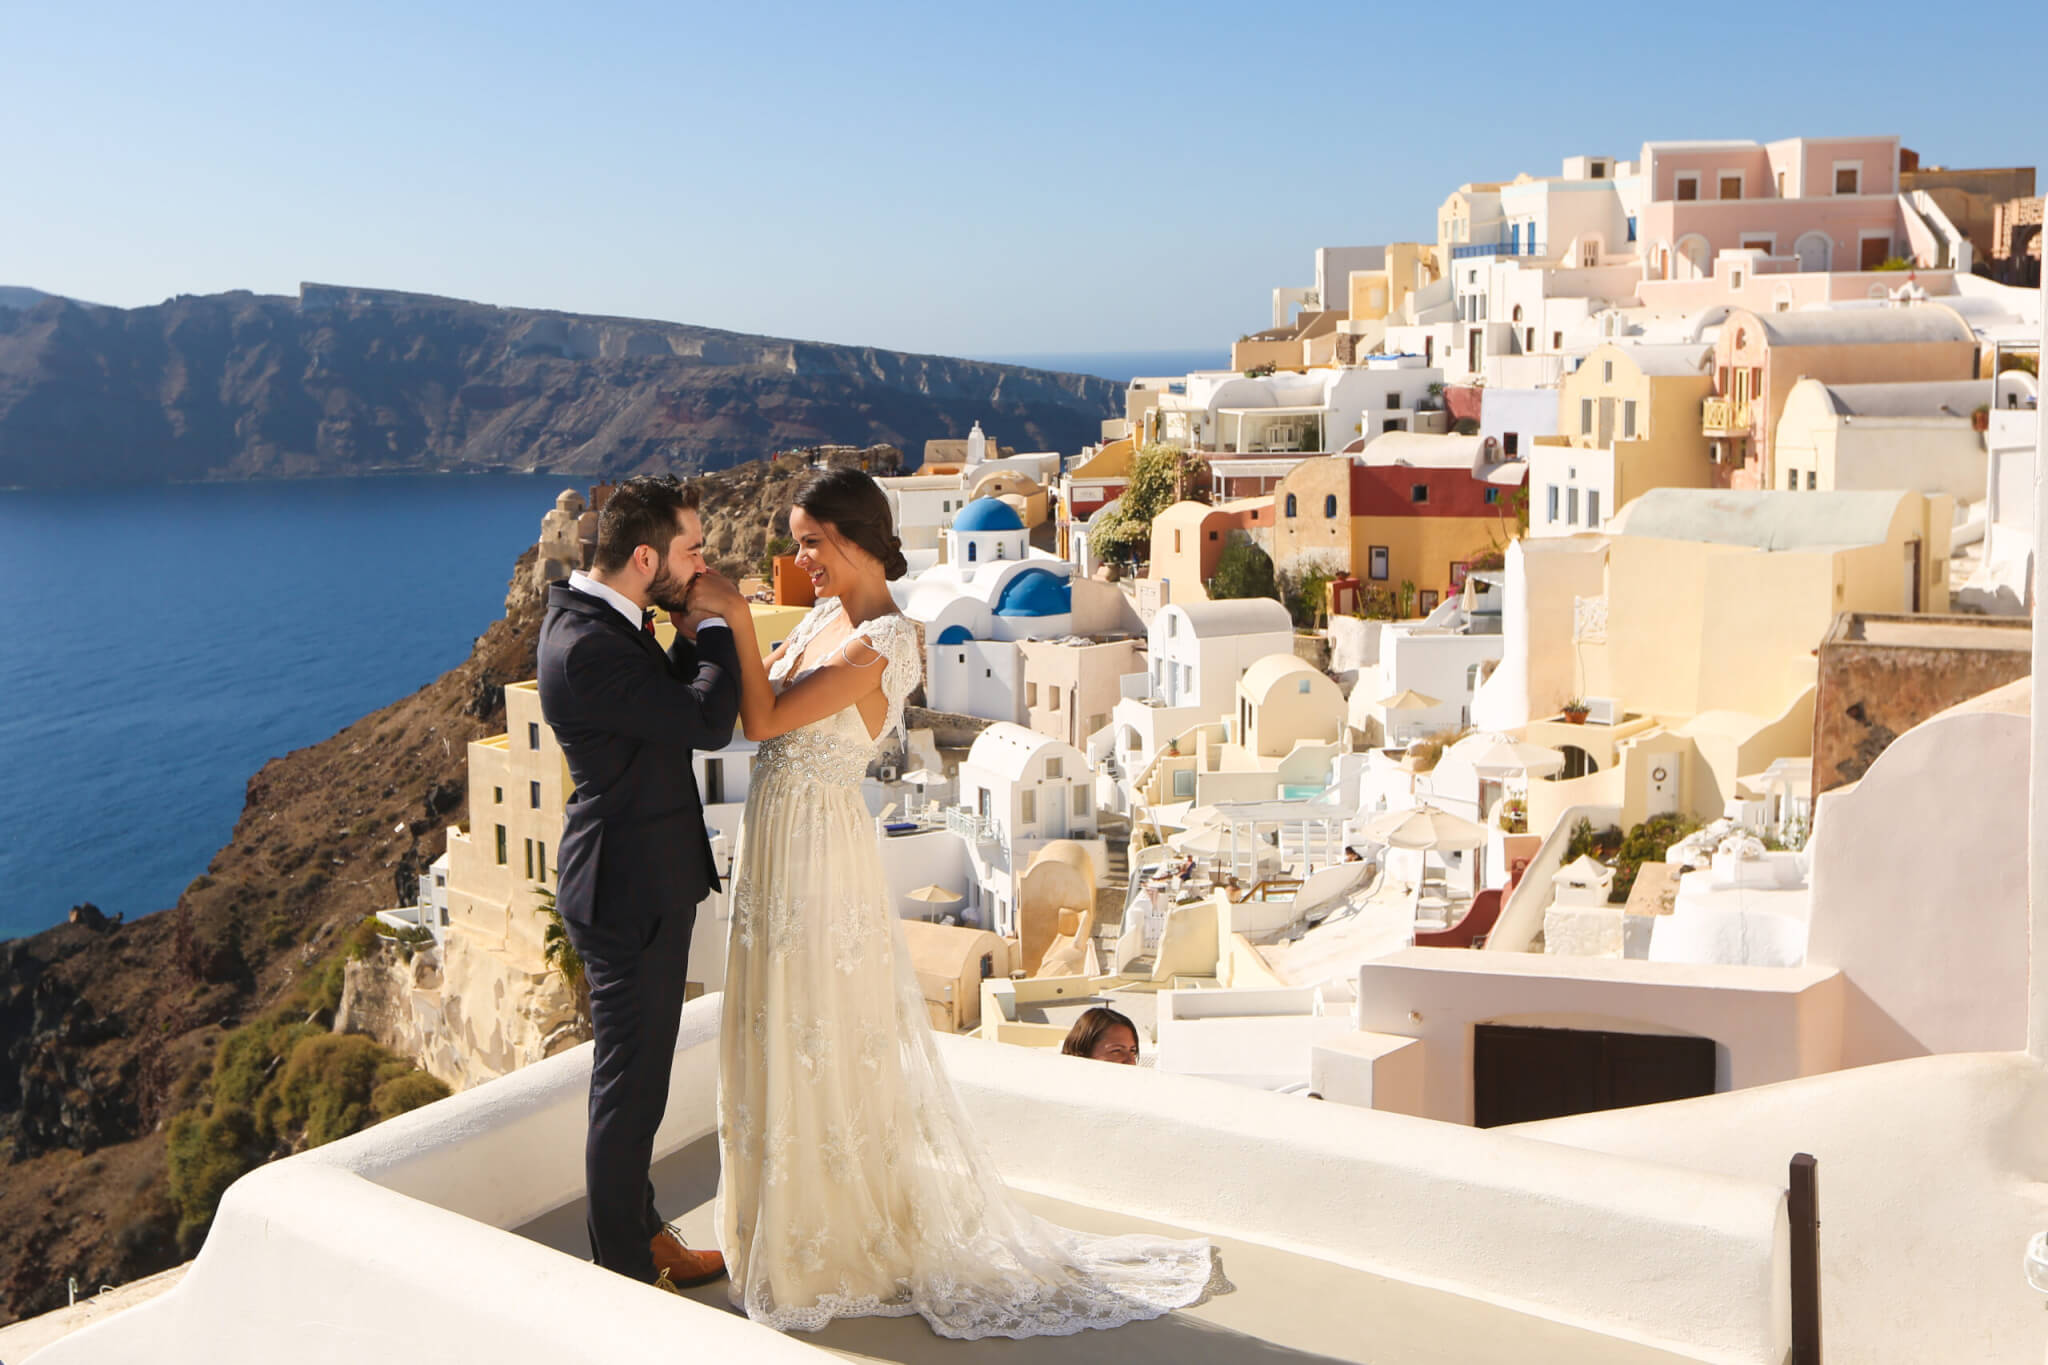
987	514
955	635
1036	592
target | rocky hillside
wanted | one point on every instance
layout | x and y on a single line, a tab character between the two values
344	381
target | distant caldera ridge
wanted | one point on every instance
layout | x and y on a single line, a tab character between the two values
342	381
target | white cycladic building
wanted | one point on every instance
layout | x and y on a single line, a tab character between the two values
992	591
1024	790
1571	489
1195	652
1314	412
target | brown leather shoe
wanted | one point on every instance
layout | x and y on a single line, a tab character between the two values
681	1266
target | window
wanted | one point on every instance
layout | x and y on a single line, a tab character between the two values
1551	505
1377	558
1585	417
1571	507
1053	768
982	802
1812	479
1528	338
1592	507
1428	601
540	858
1731	186
972	550
533	794
1212	535
1291	511
1418	492
1460	571
533	734
1510	443
498	795
1628	419
1686	187
1557	341
1031	694
1172	624
1052	696
1792	480
1631	227
1184	784
1329	504
501	845
1302	687
1176	542
1030	807
1848	177
1492	497
1080	799
1394	399
529	860
1607	372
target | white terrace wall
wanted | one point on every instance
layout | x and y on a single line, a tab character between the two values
409	1216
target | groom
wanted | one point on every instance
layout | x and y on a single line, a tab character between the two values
635	859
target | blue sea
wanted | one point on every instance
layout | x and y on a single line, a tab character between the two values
158	645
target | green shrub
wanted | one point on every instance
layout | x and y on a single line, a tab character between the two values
403	1093
1243	570
1646	844
206	1154
326	1086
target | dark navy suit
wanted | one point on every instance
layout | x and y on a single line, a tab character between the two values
634	862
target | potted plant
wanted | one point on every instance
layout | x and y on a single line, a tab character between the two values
1514	816
1575	710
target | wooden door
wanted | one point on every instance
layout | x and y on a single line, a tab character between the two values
1523	1074
1876	250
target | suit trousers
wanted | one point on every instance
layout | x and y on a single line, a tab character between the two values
636	972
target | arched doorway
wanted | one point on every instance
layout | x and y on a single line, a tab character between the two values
1577	762
1694	250
1813	250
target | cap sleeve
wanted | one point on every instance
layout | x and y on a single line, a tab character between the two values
894	637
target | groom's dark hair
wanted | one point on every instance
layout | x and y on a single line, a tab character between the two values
642	511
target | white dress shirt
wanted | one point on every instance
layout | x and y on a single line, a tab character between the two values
626	606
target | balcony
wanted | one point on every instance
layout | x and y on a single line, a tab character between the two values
1510	248
1724	417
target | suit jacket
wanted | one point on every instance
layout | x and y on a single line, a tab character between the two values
628	716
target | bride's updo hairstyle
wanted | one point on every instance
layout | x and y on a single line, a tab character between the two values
855	506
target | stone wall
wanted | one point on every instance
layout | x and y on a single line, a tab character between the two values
465	1013
1882	675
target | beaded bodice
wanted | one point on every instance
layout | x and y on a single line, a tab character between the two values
838	748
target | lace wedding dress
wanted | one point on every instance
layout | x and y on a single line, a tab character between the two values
851	1182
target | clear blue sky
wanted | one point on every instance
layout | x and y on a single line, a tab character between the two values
950	177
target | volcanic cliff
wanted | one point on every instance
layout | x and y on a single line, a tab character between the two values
342	381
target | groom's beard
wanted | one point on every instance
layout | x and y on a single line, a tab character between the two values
668	591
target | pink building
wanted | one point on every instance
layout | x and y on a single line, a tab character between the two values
1758	357
1824	203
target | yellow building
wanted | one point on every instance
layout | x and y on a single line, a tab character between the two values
1691	626
1411	509
1189	538
1629	418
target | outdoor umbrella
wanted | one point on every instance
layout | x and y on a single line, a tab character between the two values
1408	699
1424	827
923	777
1493	751
934	895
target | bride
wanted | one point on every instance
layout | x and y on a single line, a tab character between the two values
851	1182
